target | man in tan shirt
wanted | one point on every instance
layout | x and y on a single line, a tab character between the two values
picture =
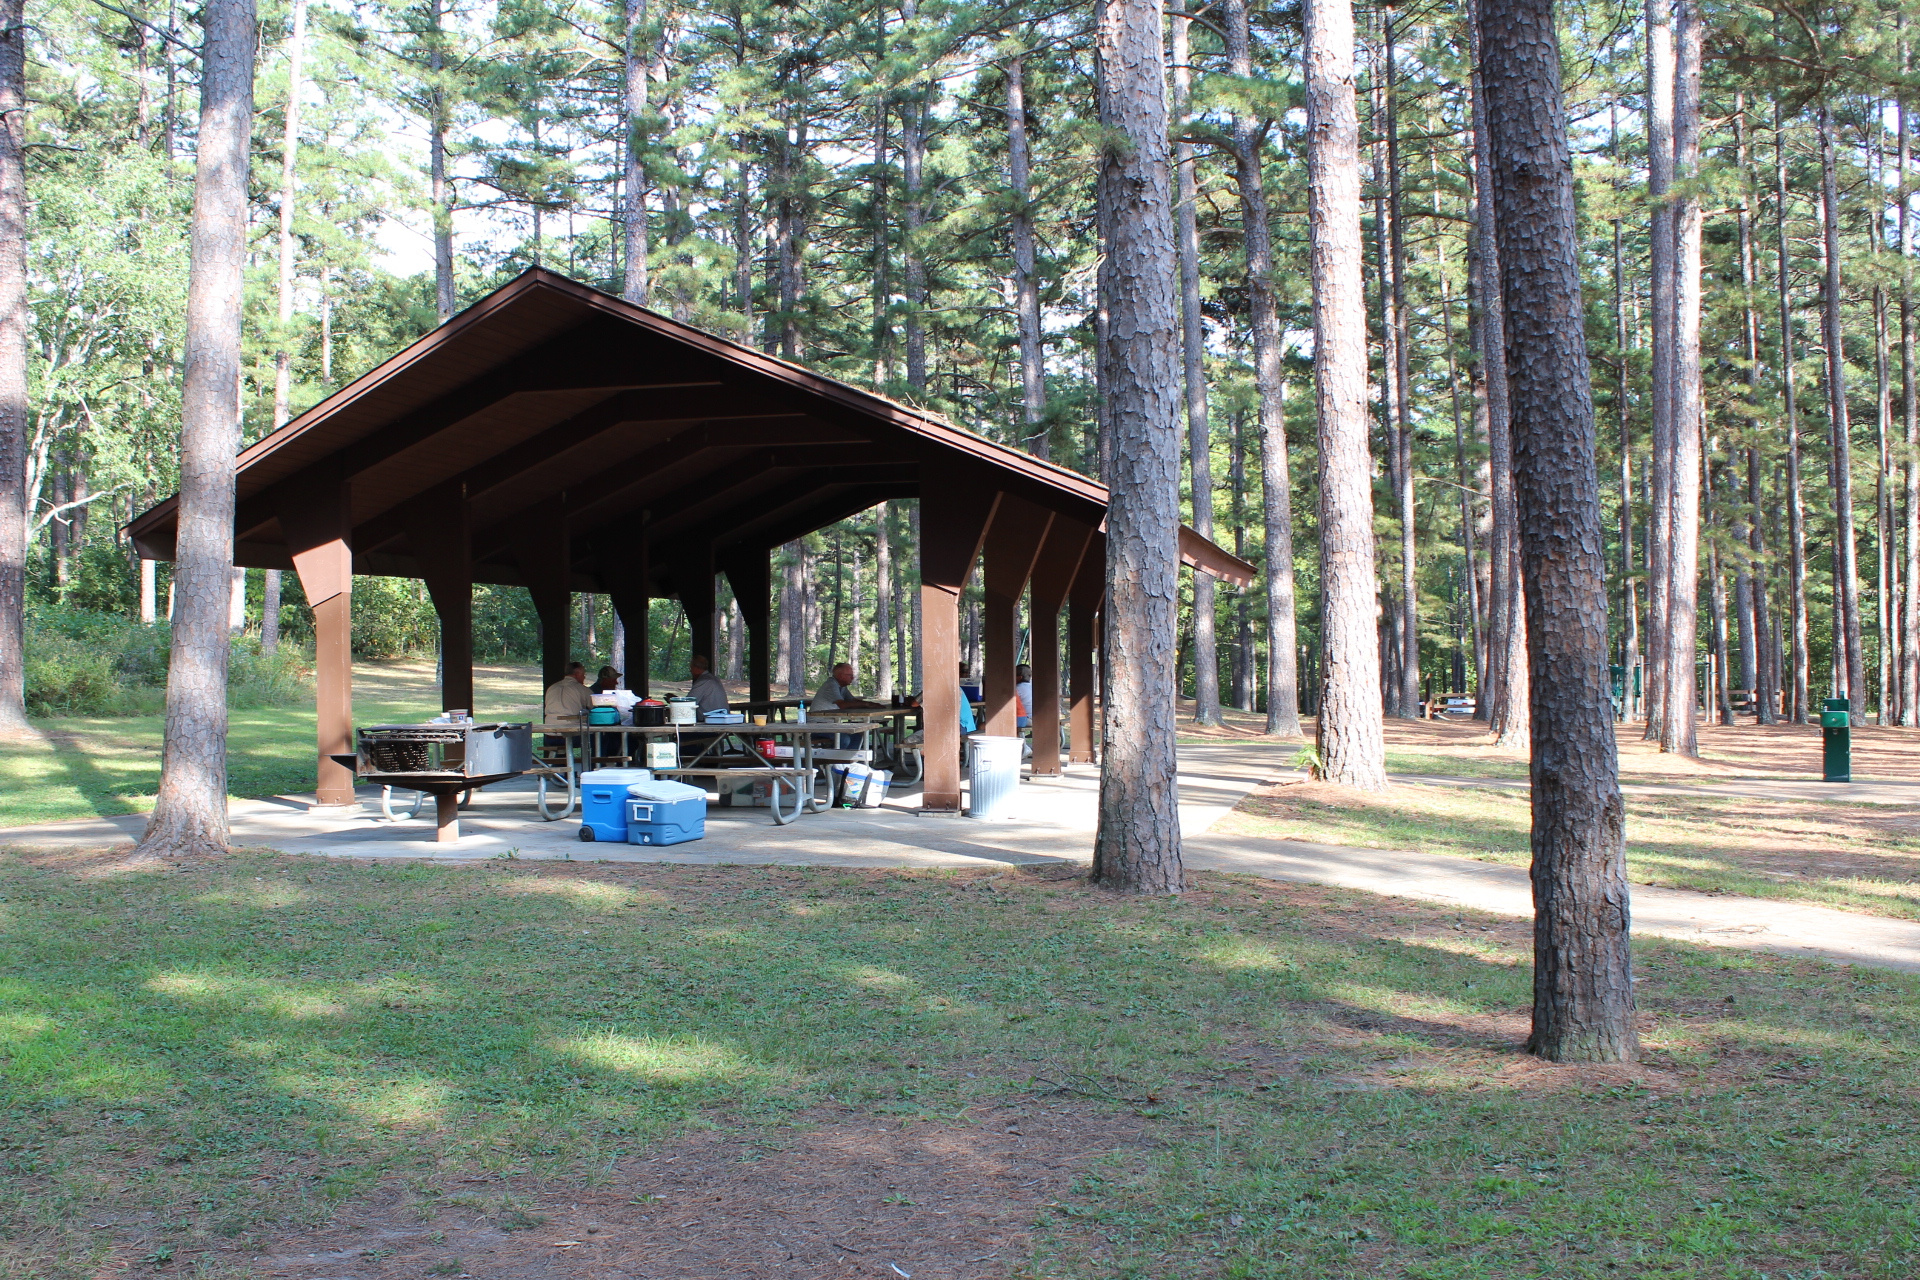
568	700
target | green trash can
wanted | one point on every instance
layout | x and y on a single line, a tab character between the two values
1836	740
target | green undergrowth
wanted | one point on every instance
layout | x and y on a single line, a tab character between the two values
194	1063
105	765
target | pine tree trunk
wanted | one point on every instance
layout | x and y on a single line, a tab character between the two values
289	153
1206	651
1681	631
1350	740
1283	642
1756	613
635	285
1507	673
1629	586
1409	692
190	813
1797	708
1661	308
14	321
1137	847
1910	407
1846	566
439	121
1026	283
1583	966
913	146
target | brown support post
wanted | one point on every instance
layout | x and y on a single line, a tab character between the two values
1019	530
621	558
439	532
446	817
954	517
693	583
318	522
542	552
1083	631
752	579
1053	577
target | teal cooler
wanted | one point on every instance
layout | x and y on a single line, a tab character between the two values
603	802
665	813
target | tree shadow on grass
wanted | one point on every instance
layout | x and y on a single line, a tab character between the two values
268	1038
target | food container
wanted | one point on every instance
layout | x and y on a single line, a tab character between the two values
604	715
663	755
683	711
650	714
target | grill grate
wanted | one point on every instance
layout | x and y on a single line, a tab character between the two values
401	757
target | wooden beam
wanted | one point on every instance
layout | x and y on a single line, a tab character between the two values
1013	545
442	546
751	577
318	521
1083	635
954	518
1053	576
543	554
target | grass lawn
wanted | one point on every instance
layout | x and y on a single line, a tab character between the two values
1854	857
197	1063
110	765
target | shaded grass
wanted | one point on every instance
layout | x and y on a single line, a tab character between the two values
1333	1082
110	765
1851	858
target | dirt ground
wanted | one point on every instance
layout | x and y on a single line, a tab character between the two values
836	1194
1744	750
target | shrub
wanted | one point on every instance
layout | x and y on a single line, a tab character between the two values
80	662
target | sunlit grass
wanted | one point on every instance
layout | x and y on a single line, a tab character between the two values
1330	1082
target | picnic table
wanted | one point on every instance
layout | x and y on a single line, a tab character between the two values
723	749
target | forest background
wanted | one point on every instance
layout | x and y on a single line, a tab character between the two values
903	196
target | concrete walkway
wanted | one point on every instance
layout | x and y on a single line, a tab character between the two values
1907	793
1053	821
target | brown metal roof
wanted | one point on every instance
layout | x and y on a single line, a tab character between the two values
547	397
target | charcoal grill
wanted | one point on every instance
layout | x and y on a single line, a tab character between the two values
442	760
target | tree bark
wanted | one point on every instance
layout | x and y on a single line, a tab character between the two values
1583	966
1680	633
1206	651
289	155
190	813
1797	708
1661	303
636	285
1137	847
1351	744
1507	716
1026	283
1846	568
1409	692
439	120
1758	612
1910	407
1283	642
14	322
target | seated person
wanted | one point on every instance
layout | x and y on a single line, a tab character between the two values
837	695
1023	696
706	689
967	723
568	698
609	681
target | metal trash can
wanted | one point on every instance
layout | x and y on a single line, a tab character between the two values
993	771
1836	740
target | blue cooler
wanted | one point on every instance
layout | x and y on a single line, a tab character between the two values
603	802
665	813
